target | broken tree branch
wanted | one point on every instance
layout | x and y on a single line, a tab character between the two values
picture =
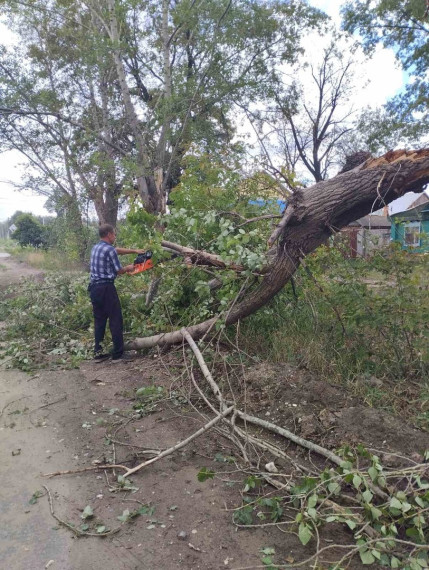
181	444
161	455
312	216
215	388
83	469
265	424
71	527
198	257
251	419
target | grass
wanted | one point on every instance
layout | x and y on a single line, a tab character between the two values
354	333
338	326
44	260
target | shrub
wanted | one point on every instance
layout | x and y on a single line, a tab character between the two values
29	231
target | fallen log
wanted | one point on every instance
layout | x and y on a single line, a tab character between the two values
313	215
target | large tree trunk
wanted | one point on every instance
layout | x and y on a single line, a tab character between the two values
315	214
149	192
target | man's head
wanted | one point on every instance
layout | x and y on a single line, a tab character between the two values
107	233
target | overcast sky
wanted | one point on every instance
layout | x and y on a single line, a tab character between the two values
384	78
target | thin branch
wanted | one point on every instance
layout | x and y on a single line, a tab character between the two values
181	444
75	530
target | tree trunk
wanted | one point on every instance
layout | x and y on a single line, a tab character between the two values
315	214
149	193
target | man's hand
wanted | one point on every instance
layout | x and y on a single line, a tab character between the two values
126	269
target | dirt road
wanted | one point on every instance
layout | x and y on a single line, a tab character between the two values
11	271
57	420
36	439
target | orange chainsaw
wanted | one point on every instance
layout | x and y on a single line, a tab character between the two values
142	262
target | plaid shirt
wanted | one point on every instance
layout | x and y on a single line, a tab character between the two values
104	263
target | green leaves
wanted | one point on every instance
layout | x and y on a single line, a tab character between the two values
87	512
251	482
367	496
373	473
147	397
150	392
243	515
366	557
205	474
125	517
128	516
55	320
312	501
125	484
357	481
304	533
402	515
351	524
29	231
35	497
266	559
268	551
388	24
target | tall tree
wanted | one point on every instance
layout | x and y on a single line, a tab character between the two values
61	111
141	83
316	116
402	25
303	131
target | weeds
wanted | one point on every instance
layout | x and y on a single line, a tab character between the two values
383	510
382	337
344	320
43	259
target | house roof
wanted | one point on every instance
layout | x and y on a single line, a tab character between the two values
372	221
422	199
419	212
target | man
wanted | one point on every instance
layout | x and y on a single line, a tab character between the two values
105	267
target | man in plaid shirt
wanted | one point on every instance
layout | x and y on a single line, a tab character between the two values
105	267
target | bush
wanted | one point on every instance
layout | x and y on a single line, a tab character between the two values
29	231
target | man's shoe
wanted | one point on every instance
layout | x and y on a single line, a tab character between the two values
101	357
122	358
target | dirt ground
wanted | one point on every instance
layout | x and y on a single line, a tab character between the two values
74	419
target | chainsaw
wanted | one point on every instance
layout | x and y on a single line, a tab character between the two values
143	262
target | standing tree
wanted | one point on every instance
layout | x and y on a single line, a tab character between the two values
314	126
120	92
311	117
29	231
403	26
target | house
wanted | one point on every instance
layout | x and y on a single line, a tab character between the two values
362	237
410	228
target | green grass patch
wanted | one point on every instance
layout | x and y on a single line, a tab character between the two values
346	328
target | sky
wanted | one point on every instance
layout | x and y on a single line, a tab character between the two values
384	77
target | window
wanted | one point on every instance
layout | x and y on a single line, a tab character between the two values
412	234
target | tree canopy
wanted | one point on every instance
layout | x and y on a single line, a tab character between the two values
104	99
404	27
29	231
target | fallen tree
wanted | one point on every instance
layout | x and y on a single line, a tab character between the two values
312	216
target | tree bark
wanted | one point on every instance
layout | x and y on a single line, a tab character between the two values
312	216
146	183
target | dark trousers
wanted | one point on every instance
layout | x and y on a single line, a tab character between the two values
106	305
